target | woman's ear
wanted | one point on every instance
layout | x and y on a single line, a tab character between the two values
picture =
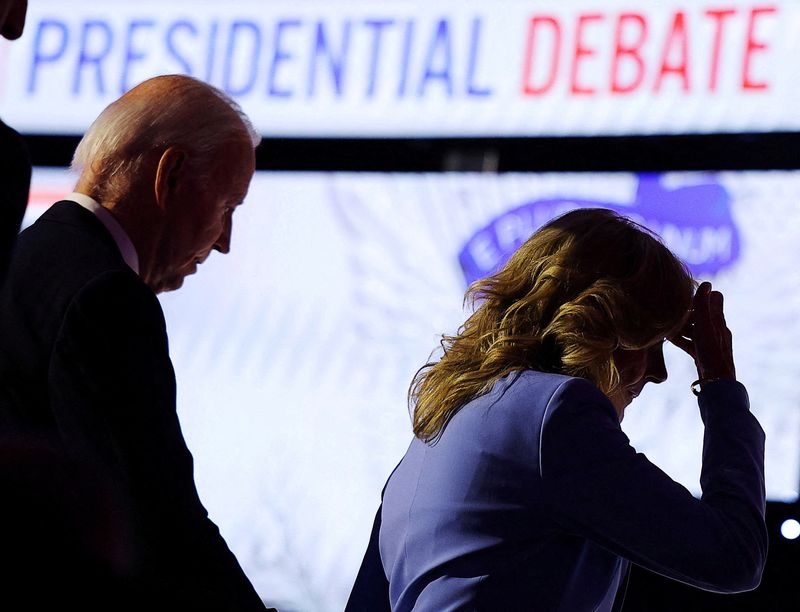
170	175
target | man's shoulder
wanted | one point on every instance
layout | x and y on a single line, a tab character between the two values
63	220
66	241
65	260
119	303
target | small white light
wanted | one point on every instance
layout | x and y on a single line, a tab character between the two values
790	529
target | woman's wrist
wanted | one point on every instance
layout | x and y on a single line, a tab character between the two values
697	386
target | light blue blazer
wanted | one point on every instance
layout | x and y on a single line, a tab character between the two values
534	499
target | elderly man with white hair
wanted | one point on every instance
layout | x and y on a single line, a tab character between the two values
84	363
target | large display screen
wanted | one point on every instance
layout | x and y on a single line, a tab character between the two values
294	352
415	68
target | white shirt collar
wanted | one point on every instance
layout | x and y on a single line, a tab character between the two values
119	235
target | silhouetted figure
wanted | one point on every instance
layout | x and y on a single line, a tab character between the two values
520	491
84	362
15	167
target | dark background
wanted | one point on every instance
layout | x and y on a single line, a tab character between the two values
777	150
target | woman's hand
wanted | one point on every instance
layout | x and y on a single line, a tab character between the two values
706	337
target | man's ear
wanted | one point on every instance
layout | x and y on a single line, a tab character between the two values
170	174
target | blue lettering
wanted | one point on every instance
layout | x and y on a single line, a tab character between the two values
86	59
42	57
474	44
132	54
483	251
172	50
405	58
440	46
212	51
512	229
377	25
336	62
254	53
279	56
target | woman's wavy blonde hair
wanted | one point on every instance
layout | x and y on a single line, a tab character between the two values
583	285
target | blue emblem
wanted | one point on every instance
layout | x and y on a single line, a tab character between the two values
694	221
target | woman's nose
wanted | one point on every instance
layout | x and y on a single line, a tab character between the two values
656	368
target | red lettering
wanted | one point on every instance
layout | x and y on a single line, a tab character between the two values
677	36
581	52
752	46
628	50
718	16
528	87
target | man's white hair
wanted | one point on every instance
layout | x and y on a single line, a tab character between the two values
170	110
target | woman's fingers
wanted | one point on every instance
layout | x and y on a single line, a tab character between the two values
685	344
683	338
715	303
711	338
701	306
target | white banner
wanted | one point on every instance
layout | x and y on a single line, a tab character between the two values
419	68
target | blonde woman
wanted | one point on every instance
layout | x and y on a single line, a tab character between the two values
520	491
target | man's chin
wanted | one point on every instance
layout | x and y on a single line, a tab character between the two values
168	284
175	281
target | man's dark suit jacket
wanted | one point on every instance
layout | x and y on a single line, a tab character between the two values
84	364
